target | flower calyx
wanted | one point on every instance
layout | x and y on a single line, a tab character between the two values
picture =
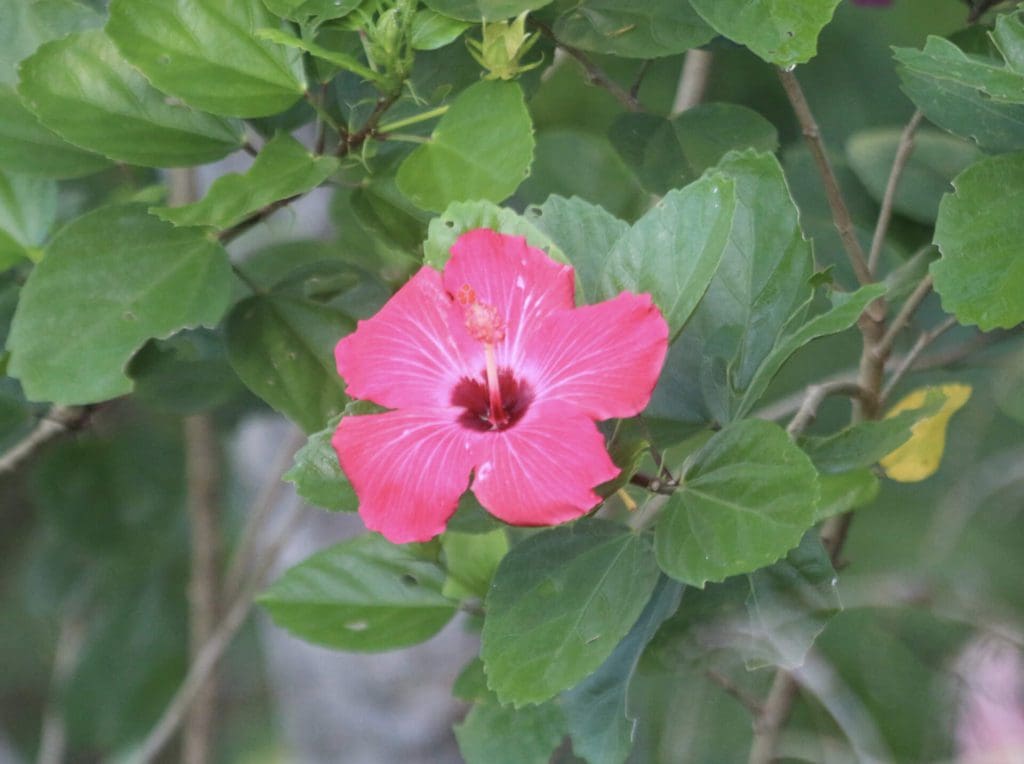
503	47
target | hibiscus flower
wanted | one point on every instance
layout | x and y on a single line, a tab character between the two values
491	371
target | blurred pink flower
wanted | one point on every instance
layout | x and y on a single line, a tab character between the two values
990	722
491	370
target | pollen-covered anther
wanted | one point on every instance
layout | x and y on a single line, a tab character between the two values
482	320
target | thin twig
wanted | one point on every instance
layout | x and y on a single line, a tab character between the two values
53	739
595	74
57	421
815	395
748	701
634	89
232	233
259	511
840	212
693	79
211	653
203	477
348	142
653	484
774	713
903	151
907	362
902	319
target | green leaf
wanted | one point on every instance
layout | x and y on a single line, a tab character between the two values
596	709
481	149
789	605
843	491
760	286
746	499
311	11
337	58
431	30
484	10
980	276
28	208
579	163
586	234
953	104
81	88
668	154
846	309
559	604
27	24
465	216
383	210
111	280
496	734
865	443
282	348
672	251
782	32
471	559
284	168
28	148
936	159
364	594
205	52
317	476
185	374
638	29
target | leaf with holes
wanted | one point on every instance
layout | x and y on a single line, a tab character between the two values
109	281
282	348
364	594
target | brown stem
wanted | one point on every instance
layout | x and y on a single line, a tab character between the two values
653	484
774	714
907	362
57	421
595	74
213	650
203	477
903	151
815	395
693	79
840	212
752	704
902	319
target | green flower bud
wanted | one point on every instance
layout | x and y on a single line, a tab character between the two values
502	49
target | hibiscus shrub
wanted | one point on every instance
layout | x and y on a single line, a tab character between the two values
633	323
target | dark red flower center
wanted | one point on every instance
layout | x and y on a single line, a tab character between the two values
473	396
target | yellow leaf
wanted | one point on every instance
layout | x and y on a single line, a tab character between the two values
919	457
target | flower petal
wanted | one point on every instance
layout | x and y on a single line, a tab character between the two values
604	359
407	354
520	281
407	467
543	469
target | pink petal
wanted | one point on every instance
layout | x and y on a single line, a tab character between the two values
408	469
543	469
407	354
604	359
521	282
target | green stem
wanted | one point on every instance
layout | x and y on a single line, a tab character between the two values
413	120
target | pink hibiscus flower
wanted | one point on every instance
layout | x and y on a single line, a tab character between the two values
491	371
